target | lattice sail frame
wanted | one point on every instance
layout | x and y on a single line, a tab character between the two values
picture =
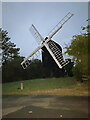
51	47
60	25
36	34
57	53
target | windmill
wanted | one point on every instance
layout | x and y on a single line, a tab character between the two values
47	44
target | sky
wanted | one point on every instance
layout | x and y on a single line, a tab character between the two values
17	18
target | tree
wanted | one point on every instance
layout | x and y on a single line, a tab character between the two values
13	71
0	49
35	70
9	50
11	68
78	49
69	68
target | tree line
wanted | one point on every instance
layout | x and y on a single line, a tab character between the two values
79	50
13	71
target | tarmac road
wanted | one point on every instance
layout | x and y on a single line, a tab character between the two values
44	106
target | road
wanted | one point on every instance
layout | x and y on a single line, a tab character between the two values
44	106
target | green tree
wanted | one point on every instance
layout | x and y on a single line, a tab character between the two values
35	70
9	50
69	68
78	49
13	71
11	68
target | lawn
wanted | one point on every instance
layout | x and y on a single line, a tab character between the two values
52	86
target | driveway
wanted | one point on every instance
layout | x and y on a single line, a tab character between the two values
44	106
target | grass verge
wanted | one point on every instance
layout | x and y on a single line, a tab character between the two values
51	86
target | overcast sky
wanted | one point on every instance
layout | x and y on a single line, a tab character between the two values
18	17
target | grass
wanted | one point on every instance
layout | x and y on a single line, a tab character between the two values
52	86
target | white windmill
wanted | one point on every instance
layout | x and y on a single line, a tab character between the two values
53	50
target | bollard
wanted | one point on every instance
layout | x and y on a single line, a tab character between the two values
21	86
61	116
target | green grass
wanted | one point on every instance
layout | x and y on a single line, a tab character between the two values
32	86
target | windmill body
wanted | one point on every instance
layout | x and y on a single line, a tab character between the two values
47	59
52	52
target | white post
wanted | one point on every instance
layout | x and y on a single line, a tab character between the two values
21	86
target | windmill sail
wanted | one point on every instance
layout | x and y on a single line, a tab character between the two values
33	55
52	54
59	25
36	34
56	53
52	47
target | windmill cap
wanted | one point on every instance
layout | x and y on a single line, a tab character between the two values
46	38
